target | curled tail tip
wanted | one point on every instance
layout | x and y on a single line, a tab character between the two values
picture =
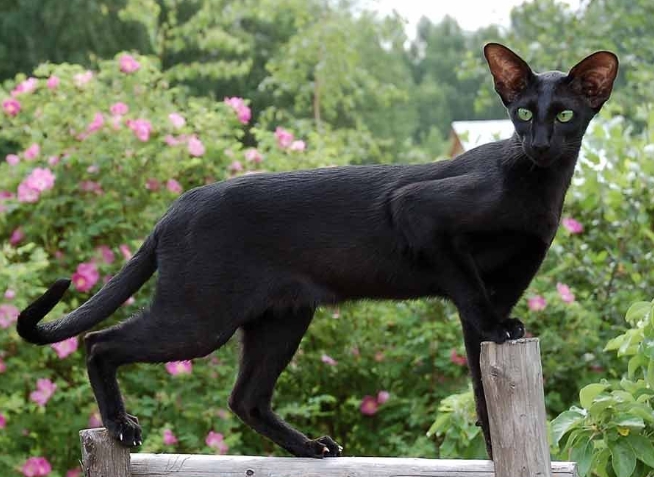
29	318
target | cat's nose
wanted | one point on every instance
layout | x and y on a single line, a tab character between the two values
540	147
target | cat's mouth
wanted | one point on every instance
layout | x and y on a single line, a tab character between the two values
541	159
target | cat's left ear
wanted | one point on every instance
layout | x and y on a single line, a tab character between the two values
593	77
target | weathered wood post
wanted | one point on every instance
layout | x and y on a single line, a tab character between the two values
513	385
102	456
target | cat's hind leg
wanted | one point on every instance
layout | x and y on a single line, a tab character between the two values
148	337
268	344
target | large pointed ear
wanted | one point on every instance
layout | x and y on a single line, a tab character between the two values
511	73
593	77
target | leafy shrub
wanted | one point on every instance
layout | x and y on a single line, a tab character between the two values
612	433
83	180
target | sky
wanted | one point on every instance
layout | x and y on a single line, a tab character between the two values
470	14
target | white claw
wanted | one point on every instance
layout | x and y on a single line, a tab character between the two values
139	443
508	335
325	450
340	448
121	436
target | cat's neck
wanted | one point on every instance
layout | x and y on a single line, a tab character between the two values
553	180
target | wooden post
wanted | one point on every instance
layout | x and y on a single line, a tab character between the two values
513	386
102	456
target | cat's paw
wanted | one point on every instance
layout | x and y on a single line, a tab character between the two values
125	429
509	329
322	447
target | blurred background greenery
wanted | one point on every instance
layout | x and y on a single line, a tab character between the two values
317	83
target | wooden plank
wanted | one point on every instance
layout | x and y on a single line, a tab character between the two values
513	386
192	465
102	456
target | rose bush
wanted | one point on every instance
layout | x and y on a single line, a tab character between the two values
88	162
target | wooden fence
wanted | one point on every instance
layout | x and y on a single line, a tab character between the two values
513	384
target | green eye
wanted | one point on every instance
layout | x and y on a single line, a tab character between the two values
524	114
565	116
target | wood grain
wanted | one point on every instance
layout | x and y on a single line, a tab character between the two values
185	465
102	456
513	385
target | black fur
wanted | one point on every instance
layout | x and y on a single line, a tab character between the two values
259	253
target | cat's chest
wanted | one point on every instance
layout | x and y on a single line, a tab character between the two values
534	212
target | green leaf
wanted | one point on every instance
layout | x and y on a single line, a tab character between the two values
638	311
615	343
623	458
583	456
565	422
600	404
634	363
588	394
643	448
630	421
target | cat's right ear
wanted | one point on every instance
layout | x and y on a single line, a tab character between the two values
511	73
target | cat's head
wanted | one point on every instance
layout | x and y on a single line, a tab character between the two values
551	111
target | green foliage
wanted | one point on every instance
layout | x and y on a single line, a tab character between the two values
612	434
455	428
110	186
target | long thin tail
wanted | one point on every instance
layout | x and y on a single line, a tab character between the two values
132	277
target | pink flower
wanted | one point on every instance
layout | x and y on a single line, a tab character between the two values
169	438
177	120
53	82
76	472
36	467
379	356
44	391
27	193
80	79
235	167
93	169
91	186
173	186
565	293
12	159
298	146
86	276
179	367
129	301
8	315
243	112
152	184
124	249
328	360
369	406
572	226
3	421
40	179
195	147
32	152
119	109
128	64
284	137
458	359
383	396
10	294
24	87
253	155
95	420
17	236
3	366
66	347
141	128
53	160
536	303
11	107
96	124
108	255
217	441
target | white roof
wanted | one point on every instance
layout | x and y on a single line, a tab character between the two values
475	133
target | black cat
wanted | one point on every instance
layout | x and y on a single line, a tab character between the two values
260	253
